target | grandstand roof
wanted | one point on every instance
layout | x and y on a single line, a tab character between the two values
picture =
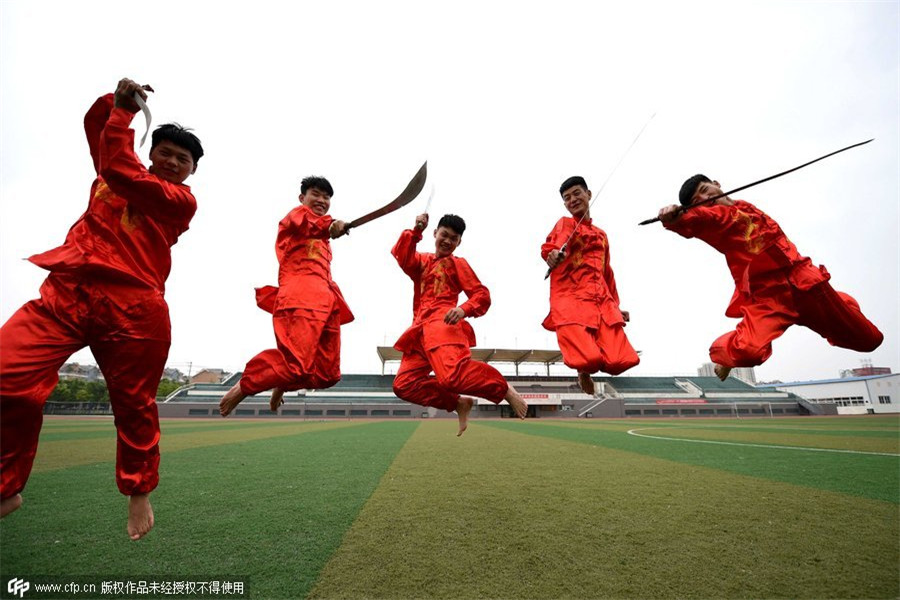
517	357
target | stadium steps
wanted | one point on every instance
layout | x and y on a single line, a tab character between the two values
592	406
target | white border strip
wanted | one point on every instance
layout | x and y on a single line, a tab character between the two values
659	437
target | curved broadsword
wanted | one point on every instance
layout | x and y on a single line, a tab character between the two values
413	188
683	209
562	249
146	110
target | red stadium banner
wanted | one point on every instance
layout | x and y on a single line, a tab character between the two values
681	401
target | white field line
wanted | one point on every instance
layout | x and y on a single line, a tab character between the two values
672	439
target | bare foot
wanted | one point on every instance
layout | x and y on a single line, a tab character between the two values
463	408
231	399
277	399
8	505
516	402
722	372
140	516
586	383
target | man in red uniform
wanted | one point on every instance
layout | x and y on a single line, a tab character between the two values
584	302
775	287
307	307
440	336
105	290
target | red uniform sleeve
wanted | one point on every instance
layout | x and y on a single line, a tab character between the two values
696	220
479	297
557	237
405	252
94	122
130	179
302	222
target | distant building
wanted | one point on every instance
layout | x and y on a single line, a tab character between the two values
851	395
209	376
865	370
745	374
93	373
174	375
78	371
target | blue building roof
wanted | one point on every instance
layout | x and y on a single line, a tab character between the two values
769	386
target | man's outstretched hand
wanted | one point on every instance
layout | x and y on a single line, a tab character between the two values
338	228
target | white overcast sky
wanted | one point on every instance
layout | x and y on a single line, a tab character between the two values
504	100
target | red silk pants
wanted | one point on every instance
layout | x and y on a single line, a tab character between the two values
127	329
455	373
589	350
308	354
777	305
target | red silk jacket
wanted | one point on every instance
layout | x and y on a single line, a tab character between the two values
754	246
304	274
437	285
133	217
582	287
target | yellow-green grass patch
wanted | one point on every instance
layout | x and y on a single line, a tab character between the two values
498	514
62	454
872	476
104	430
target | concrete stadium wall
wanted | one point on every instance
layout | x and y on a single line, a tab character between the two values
607	409
308	410
343	411
767	409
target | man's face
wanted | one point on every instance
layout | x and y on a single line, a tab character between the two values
316	200
445	241
577	199
706	190
171	162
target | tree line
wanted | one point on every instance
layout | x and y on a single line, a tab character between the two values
79	390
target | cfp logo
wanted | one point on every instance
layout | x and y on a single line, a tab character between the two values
18	587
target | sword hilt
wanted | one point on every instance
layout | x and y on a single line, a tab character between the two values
562	251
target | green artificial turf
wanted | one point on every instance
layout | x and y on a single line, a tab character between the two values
268	511
534	509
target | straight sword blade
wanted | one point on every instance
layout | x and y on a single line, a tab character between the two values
562	249
430	198
750	185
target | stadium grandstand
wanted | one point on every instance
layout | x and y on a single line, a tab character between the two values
372	396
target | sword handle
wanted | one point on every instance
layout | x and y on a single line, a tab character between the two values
682	209
562	251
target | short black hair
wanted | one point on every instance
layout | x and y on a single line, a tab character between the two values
453	222
180	136
315	182
689	187
572	182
